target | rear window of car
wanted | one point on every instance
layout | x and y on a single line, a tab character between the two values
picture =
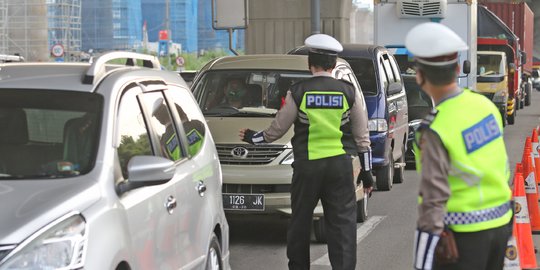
48	134
365	73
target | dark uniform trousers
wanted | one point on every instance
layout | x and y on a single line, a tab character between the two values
483	250
331	181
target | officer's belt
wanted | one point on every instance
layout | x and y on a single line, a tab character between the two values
461	218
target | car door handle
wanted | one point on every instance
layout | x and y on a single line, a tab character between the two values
201	188
170	204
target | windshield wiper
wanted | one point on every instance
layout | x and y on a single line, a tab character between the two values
240	113
36	176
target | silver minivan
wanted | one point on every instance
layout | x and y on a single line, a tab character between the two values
106	167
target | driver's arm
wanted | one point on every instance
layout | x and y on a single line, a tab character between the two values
285	117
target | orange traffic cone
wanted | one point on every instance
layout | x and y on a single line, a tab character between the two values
536	155
511	258
523	226
531	188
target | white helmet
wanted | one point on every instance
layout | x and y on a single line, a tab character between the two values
434	44
323	44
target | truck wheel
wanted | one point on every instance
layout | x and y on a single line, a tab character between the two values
512	118
319	230
384	177
398	172
528	93
362	209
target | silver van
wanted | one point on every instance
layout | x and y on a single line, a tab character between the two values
106	167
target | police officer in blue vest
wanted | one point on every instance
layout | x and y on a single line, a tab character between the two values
461	156
330	125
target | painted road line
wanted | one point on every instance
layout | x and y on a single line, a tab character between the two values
361	233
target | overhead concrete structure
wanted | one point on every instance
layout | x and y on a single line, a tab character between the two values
278	26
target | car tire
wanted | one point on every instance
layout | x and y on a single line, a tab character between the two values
528	93
504	117
384	176
319	229
399	172
213	259
512	118
362	209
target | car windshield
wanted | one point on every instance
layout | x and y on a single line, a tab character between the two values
47	134
365	73
418	102
258	93
490	65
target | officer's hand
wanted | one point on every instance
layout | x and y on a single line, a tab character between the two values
367	181
251	136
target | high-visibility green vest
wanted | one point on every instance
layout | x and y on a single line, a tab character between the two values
470	128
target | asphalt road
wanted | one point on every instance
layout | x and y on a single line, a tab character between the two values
385	239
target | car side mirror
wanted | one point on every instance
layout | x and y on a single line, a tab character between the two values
466	67
146	171
523	58
150	169
394	88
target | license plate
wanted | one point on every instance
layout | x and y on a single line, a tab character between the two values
248	202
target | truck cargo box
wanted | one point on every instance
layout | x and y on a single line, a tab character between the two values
520	19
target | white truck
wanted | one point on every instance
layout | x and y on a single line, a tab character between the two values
394	18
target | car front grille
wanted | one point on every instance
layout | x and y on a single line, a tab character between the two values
5	250
255	189
232	154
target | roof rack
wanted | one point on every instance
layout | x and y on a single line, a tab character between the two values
97	67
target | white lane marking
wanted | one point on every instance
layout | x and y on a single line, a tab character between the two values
361	233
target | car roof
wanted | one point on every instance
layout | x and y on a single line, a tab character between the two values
262	61
74	76
350	50
29	75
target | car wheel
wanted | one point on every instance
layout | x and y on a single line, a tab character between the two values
528	93
319	229
512	118
213	258
362	209
384	177
398	172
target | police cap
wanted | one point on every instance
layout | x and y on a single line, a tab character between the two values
434	44
323	44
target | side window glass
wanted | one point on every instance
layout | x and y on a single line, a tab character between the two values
395	68
383	75
388	69
133	132
190	116
162	123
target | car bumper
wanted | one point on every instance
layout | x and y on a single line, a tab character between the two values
379	146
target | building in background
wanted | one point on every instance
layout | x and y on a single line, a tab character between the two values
64	19
111	25
362	24
25	29
182	21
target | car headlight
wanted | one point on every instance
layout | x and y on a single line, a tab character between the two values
289	159
499	97
60	245
378	125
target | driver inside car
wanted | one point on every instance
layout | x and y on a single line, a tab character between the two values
235	91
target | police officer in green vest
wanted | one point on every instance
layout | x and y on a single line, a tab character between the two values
462	160
330	125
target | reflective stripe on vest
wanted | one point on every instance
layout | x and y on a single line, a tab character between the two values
456	218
